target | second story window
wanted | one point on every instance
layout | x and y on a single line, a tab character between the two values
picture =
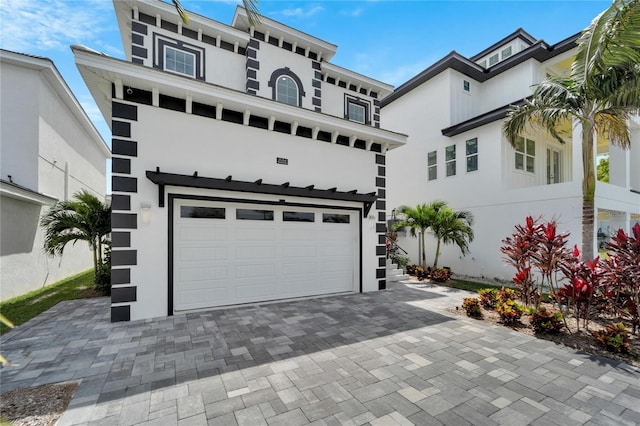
493	60
432	165
287	91
505	53
525	154
356	109
356	112
472	155
450	160
179	61
286	87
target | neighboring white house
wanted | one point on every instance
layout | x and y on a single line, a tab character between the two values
453	112
246	166
49	150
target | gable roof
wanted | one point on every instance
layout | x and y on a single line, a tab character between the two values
50	72
517	34
539	51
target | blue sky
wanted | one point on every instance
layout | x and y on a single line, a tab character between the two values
384	39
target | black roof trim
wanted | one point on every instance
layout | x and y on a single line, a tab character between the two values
228	184
480	120
540	51
519	33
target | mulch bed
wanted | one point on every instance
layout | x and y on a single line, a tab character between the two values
581	340
37	406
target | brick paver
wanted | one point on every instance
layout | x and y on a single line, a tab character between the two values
395	357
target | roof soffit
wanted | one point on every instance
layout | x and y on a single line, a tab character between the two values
277	29
99	71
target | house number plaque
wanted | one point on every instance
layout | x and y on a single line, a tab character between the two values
283	161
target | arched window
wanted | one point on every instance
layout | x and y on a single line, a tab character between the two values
287	87
287	90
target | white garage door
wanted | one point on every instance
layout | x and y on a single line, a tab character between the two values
232	253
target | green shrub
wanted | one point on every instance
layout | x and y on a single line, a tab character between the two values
544	321
400	260
411	269
488	297
506	293
472	306
614	338
510	312
103	274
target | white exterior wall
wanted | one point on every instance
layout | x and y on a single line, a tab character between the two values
19	88
221	66
247	154
272	58
41	139
509	86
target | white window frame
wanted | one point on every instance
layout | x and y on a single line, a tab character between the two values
525	154
494	59
450	160
471	155
351	103
432	165
296	98
506	52
181	52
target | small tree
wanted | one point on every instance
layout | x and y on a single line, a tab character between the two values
85	218
452	227
418	219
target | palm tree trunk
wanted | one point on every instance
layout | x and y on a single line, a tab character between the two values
424	256
588	190
95	260
435	262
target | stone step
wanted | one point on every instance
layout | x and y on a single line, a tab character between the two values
392	272
396	278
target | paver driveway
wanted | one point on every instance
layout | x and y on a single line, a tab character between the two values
391	357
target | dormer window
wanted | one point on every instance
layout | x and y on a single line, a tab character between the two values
287	91
179	61
493	59
356	109
506	52
286	87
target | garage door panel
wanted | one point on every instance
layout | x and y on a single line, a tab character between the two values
264	271
255	253
196	299
299	251
203	274
226	261
194	254
203	233
252	292
303	234
254	234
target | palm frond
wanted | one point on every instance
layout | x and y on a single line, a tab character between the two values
611	38
253	13
183	14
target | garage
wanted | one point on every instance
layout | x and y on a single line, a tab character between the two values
228	253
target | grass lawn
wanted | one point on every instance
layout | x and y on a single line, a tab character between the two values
22	308
469	285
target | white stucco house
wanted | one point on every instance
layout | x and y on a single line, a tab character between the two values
246	166
49	150
453	112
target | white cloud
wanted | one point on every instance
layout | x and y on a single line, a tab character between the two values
300	12
355	12
400	74
42	25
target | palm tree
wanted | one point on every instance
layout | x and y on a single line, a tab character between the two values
418	219
452	227
86	218
251	7
602	93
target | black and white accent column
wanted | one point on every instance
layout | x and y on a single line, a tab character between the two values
316	83
381	226
253	65
125	150
376	113
138	52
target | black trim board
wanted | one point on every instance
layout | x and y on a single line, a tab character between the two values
539	51
162	179
480	120
173	197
